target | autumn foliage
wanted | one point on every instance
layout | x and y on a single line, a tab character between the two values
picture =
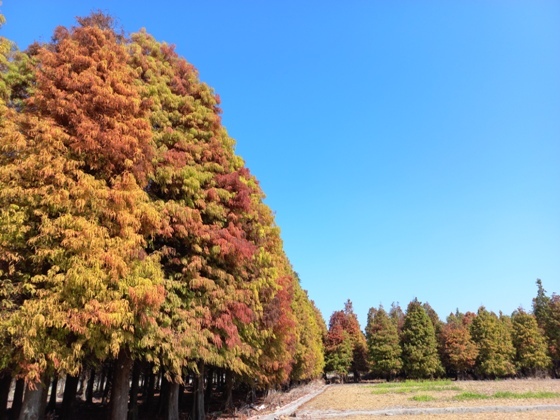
130	231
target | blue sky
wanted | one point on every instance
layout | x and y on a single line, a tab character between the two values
408	148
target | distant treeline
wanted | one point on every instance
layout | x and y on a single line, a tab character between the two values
416	344
135	245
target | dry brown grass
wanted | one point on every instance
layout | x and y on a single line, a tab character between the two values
529	415
363	397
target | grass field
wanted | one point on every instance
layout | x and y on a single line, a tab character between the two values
503	399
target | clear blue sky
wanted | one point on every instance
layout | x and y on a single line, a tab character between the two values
408	148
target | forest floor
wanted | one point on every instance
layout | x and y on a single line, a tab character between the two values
516	399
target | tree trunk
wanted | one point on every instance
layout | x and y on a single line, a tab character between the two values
118	406
198	412
229	390
90	385
51	406
107	384
70	389
163	397
5	383
18	399
34	402
181	395
149	385
209	385
82	383
171	411
133	405
101	380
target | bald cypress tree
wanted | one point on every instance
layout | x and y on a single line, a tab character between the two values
384	351
130	230
419	345
309	356
547	312
531	353
459	351
76	184
338	346
495	347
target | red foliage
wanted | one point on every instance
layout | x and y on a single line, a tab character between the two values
86	86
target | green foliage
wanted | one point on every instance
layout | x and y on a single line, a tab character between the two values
309	355
553	331
530	344
547	312
495	347
384	349
338	346
419	345
344	332
128	225
541	306
338	358
359	344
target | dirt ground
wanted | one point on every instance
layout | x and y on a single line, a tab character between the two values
536	415
359	402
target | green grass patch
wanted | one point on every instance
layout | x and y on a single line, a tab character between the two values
465	396
414	386
523	395
422	398
506	395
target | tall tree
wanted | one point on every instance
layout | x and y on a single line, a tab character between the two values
459	351
359	344
531	356
309	354
221	250
338	346
384	349
206	195
77	186
553	332
130	229
495	347
419	345
547	312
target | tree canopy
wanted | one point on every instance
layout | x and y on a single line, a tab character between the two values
130	230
